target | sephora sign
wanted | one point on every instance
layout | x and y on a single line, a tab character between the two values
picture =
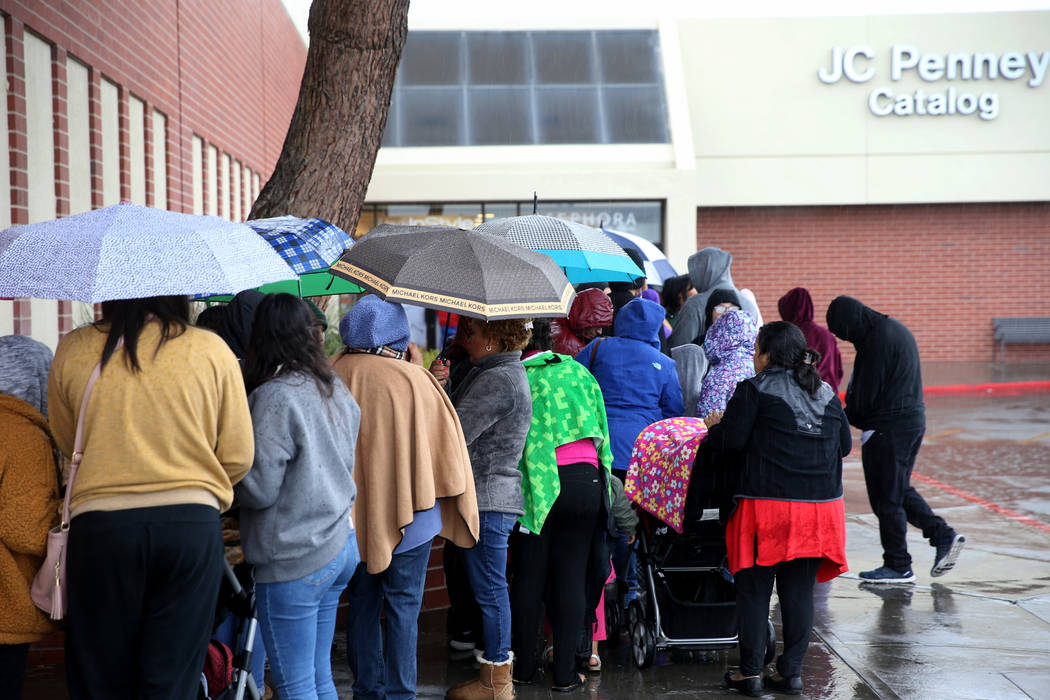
965	81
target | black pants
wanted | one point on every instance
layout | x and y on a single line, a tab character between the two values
12	670
552	566
143	585
464	614
754	586
888	459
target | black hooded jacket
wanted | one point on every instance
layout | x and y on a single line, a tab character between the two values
885	391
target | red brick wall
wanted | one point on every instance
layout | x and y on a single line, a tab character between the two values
944	270
226	70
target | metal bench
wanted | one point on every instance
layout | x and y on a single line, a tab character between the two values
1020	330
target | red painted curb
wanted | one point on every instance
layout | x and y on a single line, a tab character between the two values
982	388
990	387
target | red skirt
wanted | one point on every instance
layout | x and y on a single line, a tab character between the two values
764	532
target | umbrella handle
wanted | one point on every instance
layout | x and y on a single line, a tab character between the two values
444	341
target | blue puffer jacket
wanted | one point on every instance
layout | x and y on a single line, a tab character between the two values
639	383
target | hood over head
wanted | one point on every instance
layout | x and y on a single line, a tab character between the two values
640	319
709	269
720	296
591	307
796	306
733	333
850	320
236	324
24	364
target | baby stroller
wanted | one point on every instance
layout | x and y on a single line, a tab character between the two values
687	599
227	673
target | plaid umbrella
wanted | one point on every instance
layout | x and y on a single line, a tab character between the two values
451	269
127	251
585	253
657	267
309	246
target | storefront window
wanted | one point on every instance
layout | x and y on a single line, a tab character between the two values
462	215
642	218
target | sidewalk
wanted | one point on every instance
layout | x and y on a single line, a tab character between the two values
982	631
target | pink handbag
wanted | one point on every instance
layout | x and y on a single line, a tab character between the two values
49	585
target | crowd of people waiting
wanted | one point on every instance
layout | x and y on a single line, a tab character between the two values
341	471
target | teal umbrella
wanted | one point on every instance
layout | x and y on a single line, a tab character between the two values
585	254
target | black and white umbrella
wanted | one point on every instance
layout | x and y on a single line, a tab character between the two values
452	269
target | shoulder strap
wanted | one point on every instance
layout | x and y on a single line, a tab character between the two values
594	350
78	441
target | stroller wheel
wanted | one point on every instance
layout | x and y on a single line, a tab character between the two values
771	642
643	636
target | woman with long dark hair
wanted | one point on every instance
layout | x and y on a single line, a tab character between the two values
166	435
295	502
789	433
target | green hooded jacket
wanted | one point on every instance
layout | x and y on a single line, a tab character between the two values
567	406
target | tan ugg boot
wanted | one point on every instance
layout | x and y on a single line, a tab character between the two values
494	683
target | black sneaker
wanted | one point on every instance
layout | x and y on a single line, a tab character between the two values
885	574
947	553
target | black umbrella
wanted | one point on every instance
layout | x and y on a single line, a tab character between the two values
452	269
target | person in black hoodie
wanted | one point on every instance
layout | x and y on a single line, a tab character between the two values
884	399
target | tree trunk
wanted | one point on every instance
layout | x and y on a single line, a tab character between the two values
328	155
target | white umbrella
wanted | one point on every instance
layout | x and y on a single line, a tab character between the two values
128	251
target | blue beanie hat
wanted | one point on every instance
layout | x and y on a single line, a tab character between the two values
373	322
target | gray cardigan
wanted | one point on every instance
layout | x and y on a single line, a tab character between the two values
295	501
494	404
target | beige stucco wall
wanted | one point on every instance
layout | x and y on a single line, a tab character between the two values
768	131
751	124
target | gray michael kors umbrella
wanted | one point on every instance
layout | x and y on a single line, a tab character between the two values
452	269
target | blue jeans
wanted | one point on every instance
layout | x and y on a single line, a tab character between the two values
398	591
626	565
298	623
486	565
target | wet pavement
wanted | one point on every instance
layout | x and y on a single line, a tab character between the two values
981	631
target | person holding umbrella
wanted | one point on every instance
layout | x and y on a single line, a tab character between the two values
167	433
494	404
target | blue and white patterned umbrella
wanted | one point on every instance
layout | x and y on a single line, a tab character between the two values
128	251
658	268
307	245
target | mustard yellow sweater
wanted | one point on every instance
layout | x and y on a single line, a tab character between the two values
176	432
29	507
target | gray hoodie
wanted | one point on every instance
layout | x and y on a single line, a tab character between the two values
708	270
295	501
494	404
24	364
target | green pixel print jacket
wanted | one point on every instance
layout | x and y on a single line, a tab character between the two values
567	406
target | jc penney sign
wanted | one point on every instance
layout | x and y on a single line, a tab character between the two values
858	64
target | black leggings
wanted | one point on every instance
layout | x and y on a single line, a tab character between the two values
143	585
754	586
552	566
